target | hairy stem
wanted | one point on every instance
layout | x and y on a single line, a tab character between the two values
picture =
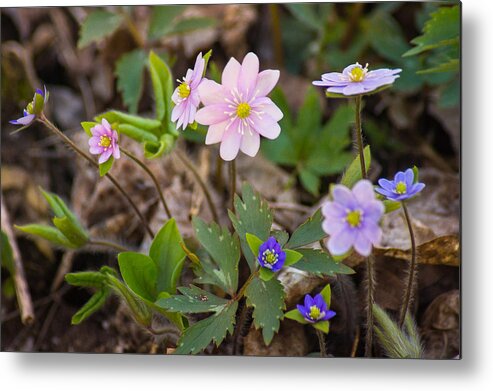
411	275
201	183
110	177
152	176
321	343
370	287
106	243
232	177
359	136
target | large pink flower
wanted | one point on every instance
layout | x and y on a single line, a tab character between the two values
238	111
104	142
186	96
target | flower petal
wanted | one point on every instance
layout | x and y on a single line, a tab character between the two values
386	184
354	89
230	144
342	195
248	74
266	106
211	92
212	114
26	120
362	244
178	111
266	81
230	74
363	191
266	126
215	133
372	231
341	242
250	143
409	177
105	156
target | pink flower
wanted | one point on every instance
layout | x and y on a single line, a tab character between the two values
238	111
104	142
186	96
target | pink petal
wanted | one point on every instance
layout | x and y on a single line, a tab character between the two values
211	92
215	133
266	126
116	152
96	149
230	74
250	143
341	242
105	156
363	191
230	144
266	106
94	141
177	111
98	131
212	114
198	71
106	124
248	74
266	81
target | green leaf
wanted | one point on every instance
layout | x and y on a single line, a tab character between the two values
267	300
415	174
137	134
292	257
266	274
322	326
168	256
140	273
253	216
86	279
295	315
129	72
306	14
76	235
224	249
162	82
281	237
97	25
353	173
309	232
452	65
212	329
46	232
162	19
193	300
93	304
442	29
390	205
320	263
326	294
105	167
192	24
119	117
87	126
254	243
310	181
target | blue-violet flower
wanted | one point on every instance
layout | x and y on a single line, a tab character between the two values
352	218
270	255
315	309
33	109
356	80
401	188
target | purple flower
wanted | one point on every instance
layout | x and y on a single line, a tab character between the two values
238	111
352	218
186	95
355	80
270	255
33	109
104	142
315	309
401	188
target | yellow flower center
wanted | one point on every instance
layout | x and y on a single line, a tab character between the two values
30	108
358	73
354	218
314	312
270	257
184	90
401	188
243	110
104	141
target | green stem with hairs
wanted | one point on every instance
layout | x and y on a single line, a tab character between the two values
232	177
359	136
151	175
106	243
110	177
411	276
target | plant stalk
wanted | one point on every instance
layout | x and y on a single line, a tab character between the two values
232	177
111	178
201	183
321	343
359	136
411	281
370	286
152	176
106	243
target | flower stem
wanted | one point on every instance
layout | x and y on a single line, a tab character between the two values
110	177
321	343
370	281
201	183
408	294
232	177
152	176
106	243
359	136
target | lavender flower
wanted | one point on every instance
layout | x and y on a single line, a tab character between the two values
104	142
33	109
270	255
238	111
356	80
401	188
186	96
315	309
352	218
